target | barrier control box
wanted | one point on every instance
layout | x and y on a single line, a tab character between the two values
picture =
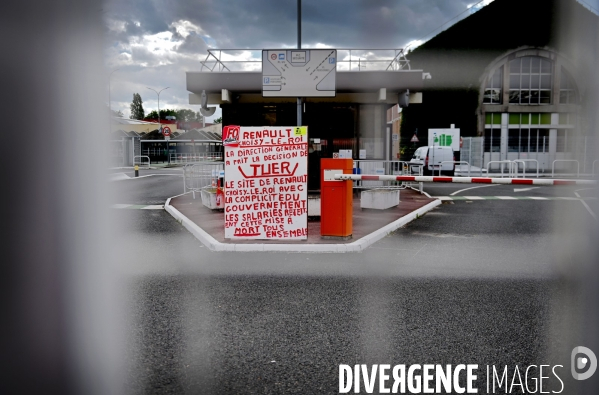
335	198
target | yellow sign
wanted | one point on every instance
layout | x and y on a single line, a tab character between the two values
300	131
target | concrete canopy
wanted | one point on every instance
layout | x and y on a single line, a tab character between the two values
355	86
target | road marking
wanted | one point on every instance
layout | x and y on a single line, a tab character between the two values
139	206
432	234
524	189
585	203
479	186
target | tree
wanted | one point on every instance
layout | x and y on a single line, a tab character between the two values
186	115
117	113
163	114
182	115
218	120
137	108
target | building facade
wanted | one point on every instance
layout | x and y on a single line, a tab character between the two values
524	89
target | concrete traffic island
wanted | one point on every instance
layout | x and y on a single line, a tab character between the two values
369	226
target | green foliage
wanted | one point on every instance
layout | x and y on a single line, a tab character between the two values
163	114
137	108
218	120
186	115
182	115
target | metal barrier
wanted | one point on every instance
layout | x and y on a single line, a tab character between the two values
565	160
192	158
466	180
355	59
198	176
389	167
523	161
502	162
141	156
454	162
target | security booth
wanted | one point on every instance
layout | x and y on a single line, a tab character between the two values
344	109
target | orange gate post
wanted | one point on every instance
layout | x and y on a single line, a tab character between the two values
335	199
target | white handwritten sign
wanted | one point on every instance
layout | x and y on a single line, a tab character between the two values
266	174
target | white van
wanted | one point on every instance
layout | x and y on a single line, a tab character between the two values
432	157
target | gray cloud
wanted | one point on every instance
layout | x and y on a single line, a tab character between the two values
133	24
143	60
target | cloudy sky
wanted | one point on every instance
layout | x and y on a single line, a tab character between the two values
153	43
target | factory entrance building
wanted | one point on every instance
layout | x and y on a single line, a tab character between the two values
367	83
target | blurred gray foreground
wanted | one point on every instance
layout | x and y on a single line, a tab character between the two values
61	312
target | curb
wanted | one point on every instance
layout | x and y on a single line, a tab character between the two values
356	246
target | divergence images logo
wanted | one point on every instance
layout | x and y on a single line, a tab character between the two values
583	363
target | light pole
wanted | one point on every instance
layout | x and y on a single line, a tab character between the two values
168	153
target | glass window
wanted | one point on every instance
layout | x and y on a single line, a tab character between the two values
561	143
493	88
492	140
534	81
545	97
514	81
496	143
545	119
545	66
487	141
526	65
515	66
543	140
492	96
513	140
567	92
534	140
524	140
514	119
545	82
530	81
514	97
493	118
525	81
535	66
524	119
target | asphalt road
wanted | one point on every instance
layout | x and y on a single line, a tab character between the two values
474	281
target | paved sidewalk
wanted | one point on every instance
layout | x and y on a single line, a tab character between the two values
365	221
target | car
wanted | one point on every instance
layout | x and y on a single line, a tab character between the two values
433	158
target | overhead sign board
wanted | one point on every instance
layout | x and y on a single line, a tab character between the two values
299	72
266	182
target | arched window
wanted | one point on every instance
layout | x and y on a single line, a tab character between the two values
530	80
567	89
493	87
